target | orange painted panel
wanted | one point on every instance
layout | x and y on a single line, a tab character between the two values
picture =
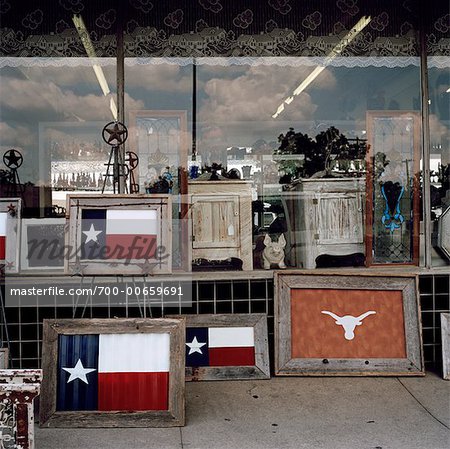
318	335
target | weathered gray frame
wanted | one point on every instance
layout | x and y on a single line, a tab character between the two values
75	265
24	243
258	321
412	365
174	416
12	256
445	333
4	358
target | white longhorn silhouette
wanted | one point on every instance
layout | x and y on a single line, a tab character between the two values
349	322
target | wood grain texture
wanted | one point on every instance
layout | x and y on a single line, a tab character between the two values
326	217
287	364
221	214
175	416
258	321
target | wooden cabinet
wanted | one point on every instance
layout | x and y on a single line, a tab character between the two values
221	213
325	216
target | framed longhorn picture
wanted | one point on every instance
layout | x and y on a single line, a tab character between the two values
119	234
347	323
226	347
10	215
113	373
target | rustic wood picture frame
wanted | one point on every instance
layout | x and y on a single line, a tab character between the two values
13	207
173	417
285	364
56	243
445	333
161	203
261	369
4	358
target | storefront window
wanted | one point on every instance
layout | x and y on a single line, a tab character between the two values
302	146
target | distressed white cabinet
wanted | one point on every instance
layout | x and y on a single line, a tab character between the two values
326	216
221	213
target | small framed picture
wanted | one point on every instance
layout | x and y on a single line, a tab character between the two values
10	215
119	234
347	324
42	247
226	347
113	373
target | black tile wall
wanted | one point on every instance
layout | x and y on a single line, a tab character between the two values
23	327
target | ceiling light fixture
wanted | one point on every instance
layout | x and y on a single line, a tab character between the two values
360	25
89	47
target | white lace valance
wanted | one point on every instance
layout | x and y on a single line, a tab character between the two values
55	62
283	61
441	62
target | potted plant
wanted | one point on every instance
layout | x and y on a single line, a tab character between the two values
329	155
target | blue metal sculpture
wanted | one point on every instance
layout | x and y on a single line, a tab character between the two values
392	217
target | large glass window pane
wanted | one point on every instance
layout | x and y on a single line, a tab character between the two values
52	113
298	131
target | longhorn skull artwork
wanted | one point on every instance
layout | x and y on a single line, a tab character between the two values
349	322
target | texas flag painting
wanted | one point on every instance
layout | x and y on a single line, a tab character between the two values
119	233
220	346
113	372
3	220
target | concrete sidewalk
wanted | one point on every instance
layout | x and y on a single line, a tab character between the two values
310	413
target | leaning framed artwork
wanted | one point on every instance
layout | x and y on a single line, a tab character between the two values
119	234
226	347
113	373
347	323
393	187
10	217
42	244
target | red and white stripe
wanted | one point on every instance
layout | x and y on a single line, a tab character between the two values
125	228
133	372
231	346
3	222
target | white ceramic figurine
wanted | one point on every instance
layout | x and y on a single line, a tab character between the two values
273	253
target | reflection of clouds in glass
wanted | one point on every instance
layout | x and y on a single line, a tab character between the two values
75	77
29	96
437	128
14	136
256	94
161	77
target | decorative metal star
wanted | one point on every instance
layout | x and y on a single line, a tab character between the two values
77	269
12	210
118	132
13	159
9	265
132	159
147	267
